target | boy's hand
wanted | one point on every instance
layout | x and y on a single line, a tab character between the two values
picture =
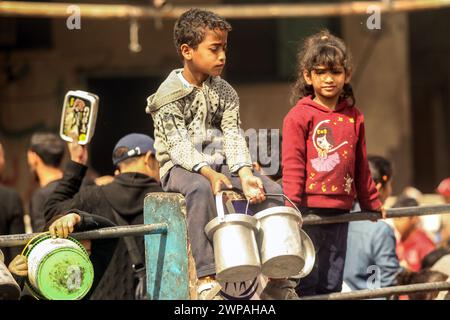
19	266
63	226
78	153
252	186
216	179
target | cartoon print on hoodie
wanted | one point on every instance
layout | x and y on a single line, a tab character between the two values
324	143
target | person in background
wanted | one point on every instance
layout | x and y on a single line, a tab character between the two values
371	245
11	213
414	244
44	156
444	190
438	260
120	201
407	277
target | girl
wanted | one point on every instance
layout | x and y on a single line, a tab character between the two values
324	155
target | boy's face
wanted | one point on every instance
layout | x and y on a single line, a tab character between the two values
209	57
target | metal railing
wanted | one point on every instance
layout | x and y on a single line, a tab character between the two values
311	219
382	292
111	232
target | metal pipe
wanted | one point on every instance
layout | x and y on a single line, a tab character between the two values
382	292
312	219
242	11
112	232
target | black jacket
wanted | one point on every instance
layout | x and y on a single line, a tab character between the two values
126	195
37	203
11	219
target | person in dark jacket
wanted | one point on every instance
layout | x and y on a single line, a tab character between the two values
134	156
11	213
44	157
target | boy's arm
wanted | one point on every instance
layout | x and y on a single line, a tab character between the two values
170	127
365	186
234	144
293	158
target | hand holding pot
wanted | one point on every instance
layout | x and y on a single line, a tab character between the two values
252	186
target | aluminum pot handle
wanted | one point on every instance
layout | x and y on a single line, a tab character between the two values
276	195
219	203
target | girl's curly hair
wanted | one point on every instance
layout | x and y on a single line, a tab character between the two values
325	49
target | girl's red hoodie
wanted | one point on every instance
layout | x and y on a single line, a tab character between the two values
324	157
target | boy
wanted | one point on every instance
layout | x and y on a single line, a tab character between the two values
194	108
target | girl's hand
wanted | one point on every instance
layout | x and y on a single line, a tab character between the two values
19	266
63	226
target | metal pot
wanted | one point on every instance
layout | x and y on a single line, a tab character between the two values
309	254
285	250
235	248
279	242
9	289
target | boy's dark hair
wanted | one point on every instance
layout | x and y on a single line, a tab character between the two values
430	259
380	169
424	276
190	27
322	48
49	147
404	201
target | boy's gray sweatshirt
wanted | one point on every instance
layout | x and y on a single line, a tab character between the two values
197	125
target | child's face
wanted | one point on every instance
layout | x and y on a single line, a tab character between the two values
327	82
209	57
405	225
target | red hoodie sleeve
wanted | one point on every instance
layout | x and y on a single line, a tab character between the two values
365	186
293	157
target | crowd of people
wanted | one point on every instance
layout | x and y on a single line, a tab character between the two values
325	171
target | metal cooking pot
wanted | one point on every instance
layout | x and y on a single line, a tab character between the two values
284	248
235	249
309	254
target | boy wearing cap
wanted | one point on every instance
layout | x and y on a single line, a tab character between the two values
192	109
134	157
